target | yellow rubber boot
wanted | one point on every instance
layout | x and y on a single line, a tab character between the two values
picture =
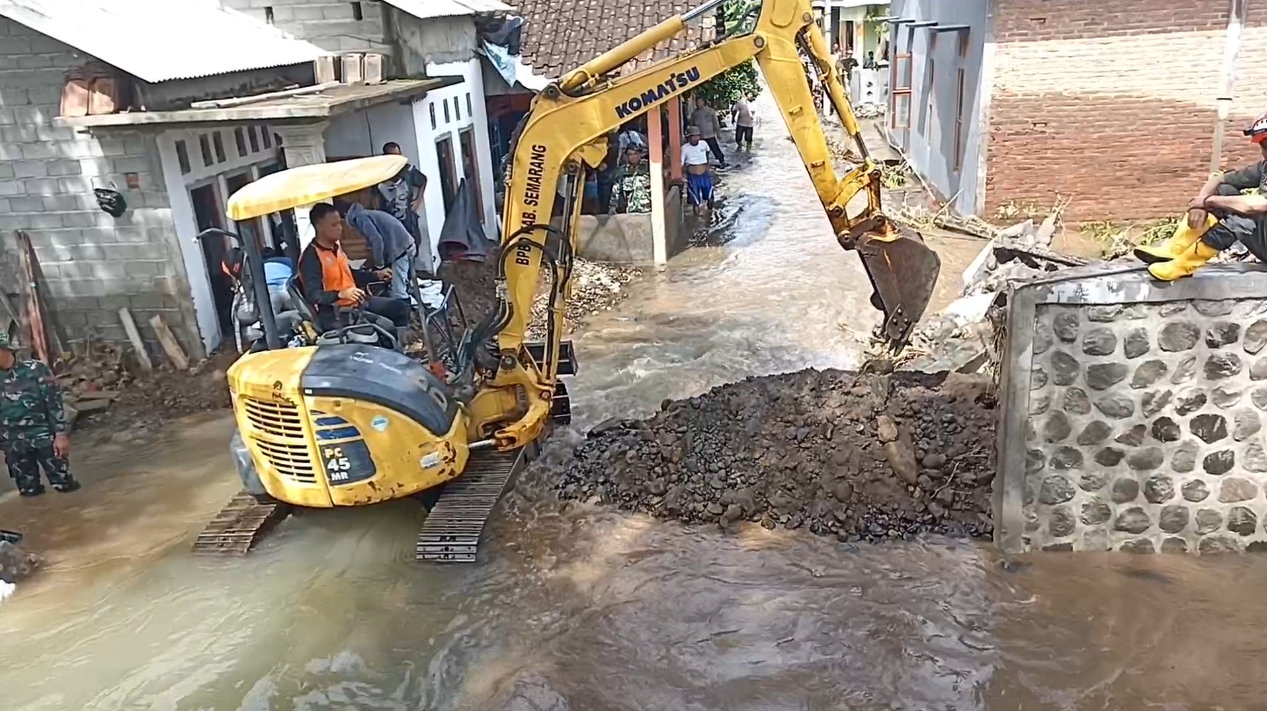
1184	264
1179	242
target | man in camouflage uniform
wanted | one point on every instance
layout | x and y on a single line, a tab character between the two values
631	188
32	424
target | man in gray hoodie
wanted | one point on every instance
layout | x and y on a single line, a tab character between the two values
391	245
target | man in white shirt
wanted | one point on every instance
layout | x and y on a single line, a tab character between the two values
699	177
744	122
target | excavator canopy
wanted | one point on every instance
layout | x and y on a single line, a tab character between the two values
308	184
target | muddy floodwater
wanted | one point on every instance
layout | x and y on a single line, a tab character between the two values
589	609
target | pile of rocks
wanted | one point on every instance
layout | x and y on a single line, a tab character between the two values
93	379
856	457
102	388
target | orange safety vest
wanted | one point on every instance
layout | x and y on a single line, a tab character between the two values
336	274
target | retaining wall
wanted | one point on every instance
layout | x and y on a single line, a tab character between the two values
1133	413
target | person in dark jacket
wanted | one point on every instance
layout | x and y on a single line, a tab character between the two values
390	243
329	281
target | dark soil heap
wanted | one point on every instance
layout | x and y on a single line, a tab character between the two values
854	456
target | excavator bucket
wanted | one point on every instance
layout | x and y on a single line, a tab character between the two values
903	273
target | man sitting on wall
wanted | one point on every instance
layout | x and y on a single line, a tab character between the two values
329	281
1218	217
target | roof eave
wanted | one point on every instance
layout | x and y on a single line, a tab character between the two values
408	89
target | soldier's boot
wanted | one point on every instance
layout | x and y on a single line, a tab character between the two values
57	469
1181	241
25	472
1184	264
67	486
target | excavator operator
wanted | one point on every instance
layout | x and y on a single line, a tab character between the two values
1218	217
329	281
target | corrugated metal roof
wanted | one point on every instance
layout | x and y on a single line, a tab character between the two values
159	40
423	9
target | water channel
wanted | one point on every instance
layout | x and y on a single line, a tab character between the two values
587	609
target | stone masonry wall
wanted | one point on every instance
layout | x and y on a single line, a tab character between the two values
1091	101
94	264
1146	428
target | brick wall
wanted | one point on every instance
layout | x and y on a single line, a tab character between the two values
1113	103
330	25
94	264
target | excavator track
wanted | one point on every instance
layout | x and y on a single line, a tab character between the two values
451	533
240	525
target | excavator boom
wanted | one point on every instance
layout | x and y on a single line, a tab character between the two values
566	130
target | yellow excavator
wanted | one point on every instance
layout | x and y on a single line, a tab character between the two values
346	423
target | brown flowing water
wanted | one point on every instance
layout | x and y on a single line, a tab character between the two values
582	608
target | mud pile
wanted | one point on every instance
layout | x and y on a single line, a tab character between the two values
859	457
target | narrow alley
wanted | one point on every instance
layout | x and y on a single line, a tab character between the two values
584	608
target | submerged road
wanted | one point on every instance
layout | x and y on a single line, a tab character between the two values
584	609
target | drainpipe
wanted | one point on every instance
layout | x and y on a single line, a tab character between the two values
1227	79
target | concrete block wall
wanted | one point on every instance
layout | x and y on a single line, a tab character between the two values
1115	105
95	264
330	25
1137	426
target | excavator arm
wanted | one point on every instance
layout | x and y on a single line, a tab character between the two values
567	129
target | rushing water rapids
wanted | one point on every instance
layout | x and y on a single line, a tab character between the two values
577	607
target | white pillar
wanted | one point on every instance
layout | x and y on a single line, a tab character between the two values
304	144
659	242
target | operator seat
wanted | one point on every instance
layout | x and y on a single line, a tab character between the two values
295	290
307	312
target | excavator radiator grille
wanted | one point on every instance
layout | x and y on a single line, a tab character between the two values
278	419
279	437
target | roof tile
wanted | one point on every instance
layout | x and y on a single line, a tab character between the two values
561	35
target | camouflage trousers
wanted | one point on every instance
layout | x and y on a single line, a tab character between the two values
25	463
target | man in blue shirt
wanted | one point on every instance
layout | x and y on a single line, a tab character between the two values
391	245
277	273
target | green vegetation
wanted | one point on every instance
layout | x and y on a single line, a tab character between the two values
723	90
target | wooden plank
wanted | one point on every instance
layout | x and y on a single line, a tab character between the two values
129	326
30	299
61	340
171	346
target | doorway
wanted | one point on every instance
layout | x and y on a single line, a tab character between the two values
246	229
448	172
207	214
471	168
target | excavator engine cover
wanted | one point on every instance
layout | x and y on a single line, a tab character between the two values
903	273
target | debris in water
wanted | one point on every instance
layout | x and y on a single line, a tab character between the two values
16	563
858	457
